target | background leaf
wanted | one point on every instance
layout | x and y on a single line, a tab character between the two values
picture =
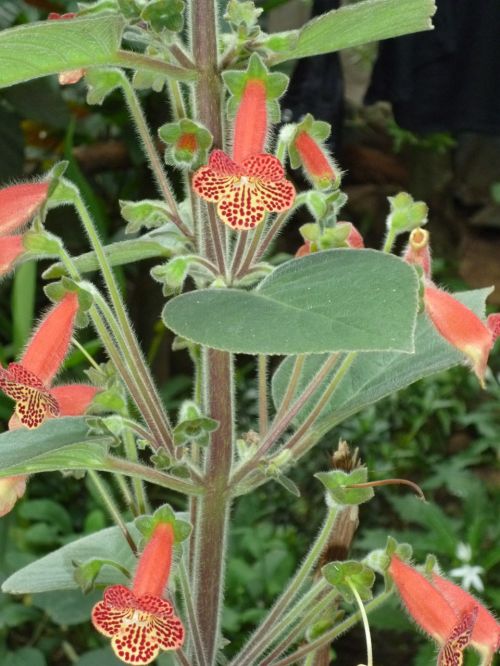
337	300
361	23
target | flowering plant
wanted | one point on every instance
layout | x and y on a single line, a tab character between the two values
350	325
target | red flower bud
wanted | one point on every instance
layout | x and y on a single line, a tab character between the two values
493	323
304	250
460	327
354	239
19	203
250	125
319	167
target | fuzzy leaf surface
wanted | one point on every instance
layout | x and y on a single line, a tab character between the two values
338	300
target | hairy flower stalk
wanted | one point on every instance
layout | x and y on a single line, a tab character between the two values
451	616
139	621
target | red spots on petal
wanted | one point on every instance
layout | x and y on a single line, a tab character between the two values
452	652
140	629
34	402
263	166
222	164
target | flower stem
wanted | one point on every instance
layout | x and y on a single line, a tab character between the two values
263	397
111	506
154	159
246	263
292	385
334	633
260	637
141	61
194	630
366	626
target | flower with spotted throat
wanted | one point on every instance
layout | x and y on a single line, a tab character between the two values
140	622
244	192
253	183
451	616
29	381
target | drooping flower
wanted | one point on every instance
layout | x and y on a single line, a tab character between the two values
72	75
418	252
460	327
244	192
19	203
485	636
318	165
451	627
139	621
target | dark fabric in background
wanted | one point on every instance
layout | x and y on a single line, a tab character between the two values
447	79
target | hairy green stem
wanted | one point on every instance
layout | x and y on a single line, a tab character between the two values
366	626
110	505
131	453
263	397
281	424
194	631
159	478
155	162
300	628
252	648
140	61
329	636
246	263
293	382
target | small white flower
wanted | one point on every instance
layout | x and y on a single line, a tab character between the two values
464	552
470	575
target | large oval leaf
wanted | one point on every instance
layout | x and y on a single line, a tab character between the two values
57	444
373	376
339	300
47	47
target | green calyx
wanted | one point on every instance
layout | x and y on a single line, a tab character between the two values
338	485
164	515
188	143
346	575
193	426
164	15
276	83
406	214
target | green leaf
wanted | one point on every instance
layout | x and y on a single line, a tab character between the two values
48	47
24	657
62	443
338	300
119	254
56	570
67	607
373	376
165	14
360	23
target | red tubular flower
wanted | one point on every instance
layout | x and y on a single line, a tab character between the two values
320	168
28	382
493	324
72	75
418	251
450	627
354	239
250	125
460	327
18	204
11	248
140	622
244	192
486	633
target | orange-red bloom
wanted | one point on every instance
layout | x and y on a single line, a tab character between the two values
11	248
140	622
11	489
451	616
250	125
18	204
244	192
460	327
